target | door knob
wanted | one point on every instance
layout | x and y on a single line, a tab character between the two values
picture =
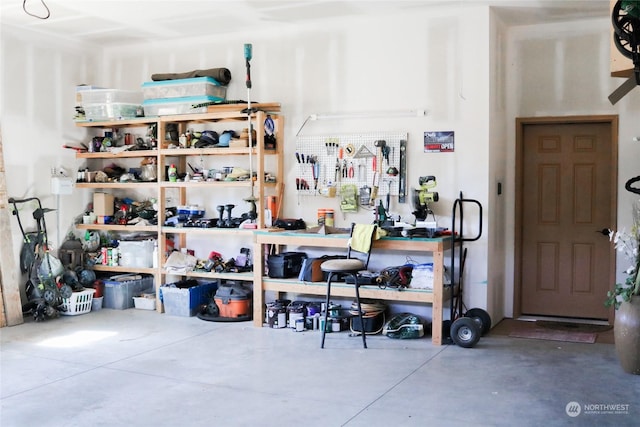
604	231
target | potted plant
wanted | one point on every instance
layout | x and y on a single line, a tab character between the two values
625	297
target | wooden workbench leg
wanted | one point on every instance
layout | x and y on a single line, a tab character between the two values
258	291
438	290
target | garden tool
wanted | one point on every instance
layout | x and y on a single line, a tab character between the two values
253	214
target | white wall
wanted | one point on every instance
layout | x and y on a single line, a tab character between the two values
404	62
467	69
562	70
38	78
422	61
498	163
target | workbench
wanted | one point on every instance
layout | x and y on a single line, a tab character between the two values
262	283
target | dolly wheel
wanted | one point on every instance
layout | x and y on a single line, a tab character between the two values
465	332
482	318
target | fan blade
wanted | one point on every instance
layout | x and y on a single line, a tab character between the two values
622	90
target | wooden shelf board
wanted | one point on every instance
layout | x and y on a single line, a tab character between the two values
346	290
121	269
205	231
117	227
107	185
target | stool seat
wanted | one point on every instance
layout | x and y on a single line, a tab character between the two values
349	265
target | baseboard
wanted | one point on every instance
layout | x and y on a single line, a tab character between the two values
527	318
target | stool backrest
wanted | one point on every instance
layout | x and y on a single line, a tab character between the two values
361	240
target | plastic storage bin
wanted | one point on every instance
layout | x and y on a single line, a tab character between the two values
78	303
136	253
120	290
145	302
84	88
110	96
180	88
186	301
111	111
169	106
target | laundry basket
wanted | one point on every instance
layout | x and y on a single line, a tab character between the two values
78	303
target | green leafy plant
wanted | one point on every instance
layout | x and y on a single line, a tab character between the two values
627	243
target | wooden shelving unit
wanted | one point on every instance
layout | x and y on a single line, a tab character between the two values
219	118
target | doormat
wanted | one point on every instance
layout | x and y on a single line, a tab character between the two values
555	335
572	327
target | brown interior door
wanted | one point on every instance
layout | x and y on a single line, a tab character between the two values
567	177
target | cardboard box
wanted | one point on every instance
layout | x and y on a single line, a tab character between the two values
103	204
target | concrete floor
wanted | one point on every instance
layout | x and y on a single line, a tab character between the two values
141	368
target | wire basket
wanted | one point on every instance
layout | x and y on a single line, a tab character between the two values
78	303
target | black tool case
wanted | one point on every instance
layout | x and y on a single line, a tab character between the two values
286	264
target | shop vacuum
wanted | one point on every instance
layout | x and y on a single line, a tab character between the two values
232	302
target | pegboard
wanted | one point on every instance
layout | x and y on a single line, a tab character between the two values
324	161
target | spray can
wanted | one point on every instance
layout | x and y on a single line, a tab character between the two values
173	173
115	257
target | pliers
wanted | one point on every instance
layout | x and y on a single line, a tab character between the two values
301	184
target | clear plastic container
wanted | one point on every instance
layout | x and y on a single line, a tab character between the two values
169	106
102	96
136	253
111	110
180	88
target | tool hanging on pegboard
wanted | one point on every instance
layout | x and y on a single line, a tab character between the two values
326	163
402	181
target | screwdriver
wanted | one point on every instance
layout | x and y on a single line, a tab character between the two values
316	173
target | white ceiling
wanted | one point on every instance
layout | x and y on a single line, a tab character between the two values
116	22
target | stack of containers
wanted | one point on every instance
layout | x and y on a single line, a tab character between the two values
179	96
111	104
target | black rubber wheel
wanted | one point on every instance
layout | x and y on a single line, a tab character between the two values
624	24
465	332
66	291
482	318
49	296
623	45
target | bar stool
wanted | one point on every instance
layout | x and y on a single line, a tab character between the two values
361	239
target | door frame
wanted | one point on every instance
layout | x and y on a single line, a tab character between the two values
521	122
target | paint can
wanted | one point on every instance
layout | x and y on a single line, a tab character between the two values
313	308
276	315
295	311
299	325
334	310
322	325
